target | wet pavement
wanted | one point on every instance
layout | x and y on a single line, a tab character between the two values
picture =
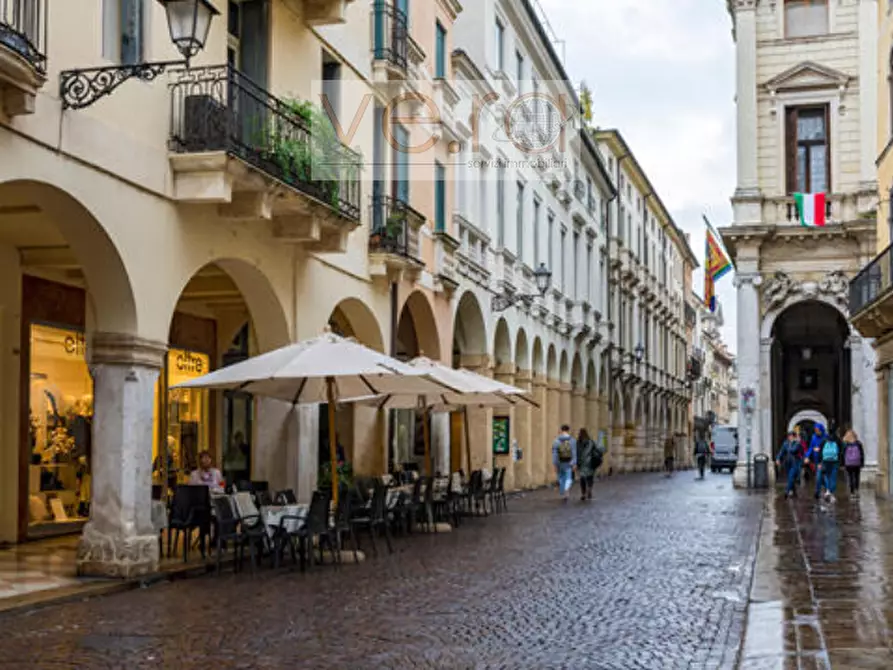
653	573
822	594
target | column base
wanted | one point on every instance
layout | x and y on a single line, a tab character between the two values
116	555
739	478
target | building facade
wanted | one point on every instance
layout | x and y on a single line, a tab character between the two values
806	123
650	264
870	304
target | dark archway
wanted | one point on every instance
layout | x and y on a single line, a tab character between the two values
810	362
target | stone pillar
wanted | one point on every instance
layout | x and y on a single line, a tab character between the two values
578	409
523	432
565	410
882	480
119	540
553	423
10	378
746	97
505	373
749	368
540	448
865	401
303	452
868	91
440	438
480	423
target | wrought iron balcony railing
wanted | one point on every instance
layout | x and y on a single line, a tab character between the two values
23	29
394	227
873	280
390	34
220	109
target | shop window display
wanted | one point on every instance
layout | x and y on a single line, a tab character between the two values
186	433
60	429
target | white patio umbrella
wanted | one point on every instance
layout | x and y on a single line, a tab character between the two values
326	369
469	390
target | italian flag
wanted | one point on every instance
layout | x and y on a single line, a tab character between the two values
811	207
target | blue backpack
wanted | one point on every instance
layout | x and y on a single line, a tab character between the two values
830	451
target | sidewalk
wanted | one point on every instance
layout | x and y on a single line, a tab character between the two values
821	595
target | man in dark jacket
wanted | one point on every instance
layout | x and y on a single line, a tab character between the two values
702	450
790	456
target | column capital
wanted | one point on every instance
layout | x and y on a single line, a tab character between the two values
742	279
122	349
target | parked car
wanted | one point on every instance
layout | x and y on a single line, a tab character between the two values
724	448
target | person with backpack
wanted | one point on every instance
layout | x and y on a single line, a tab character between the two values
790	457
853	460
587	453
702	450
814	457
831	453
564	458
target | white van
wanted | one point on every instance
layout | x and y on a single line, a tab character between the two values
724	448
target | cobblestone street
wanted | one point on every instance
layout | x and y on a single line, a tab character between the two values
654	573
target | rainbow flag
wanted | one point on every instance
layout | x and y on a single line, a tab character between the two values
716	265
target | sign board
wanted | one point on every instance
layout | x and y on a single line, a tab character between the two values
501	433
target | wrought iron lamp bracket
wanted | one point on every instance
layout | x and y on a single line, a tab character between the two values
81	88
500	303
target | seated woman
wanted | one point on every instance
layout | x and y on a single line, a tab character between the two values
205	475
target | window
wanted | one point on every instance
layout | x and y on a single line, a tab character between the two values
807	162
805	17
439	197
233	35
500	45
576	264
563	251
440	50
331	82
500	207
519	69
551	241
537	257
123	30
589	290
401	165
519	223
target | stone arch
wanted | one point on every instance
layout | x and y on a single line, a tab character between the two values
563	369
638	411
603	376
628	405
592	381
502	344
469	330
552	363
578	381
252	286
768	325
353	318
538	362
619	409
109	286
522	351
807	415
417	333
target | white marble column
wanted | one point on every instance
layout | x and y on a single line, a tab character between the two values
304	455
119	540
749	364
746	96
864	400
868	91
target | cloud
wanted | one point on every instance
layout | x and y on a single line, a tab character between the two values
663	73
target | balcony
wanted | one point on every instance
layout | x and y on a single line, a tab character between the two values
473	251
839	208
394	239
393	50
23	62
260	158
578	206
446	278
320	12
871	300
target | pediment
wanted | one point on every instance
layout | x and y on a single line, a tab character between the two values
808	76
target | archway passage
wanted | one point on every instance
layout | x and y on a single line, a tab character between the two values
811	367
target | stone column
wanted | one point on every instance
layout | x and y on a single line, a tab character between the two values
882	479
505	373
865	401
540	447
523	432
553	423
119	540
578	409
749	369
480	424
746	96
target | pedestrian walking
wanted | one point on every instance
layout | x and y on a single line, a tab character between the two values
831	452
814	457
790	455
702	450
586	455
669	455
564	458
853	460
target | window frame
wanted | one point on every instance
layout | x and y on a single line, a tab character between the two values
499	24
440	51
784	17
792	144
439	197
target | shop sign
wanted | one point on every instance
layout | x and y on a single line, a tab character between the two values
501	432
189	364
75	344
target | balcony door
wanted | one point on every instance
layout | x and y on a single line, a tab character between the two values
401	164
248	29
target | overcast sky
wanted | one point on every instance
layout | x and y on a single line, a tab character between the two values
663	73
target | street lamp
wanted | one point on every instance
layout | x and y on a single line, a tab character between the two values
640	352
748	396
543	278
188	22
